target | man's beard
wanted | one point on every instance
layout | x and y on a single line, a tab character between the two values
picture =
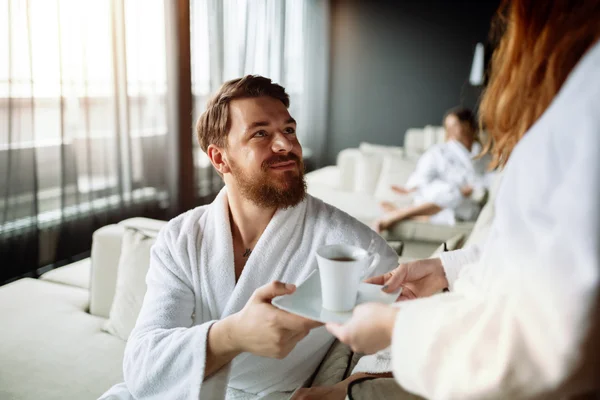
285	190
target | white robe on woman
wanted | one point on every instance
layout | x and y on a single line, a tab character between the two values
191	284
440	174
522	317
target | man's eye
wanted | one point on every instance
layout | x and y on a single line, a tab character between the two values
290	130
260	134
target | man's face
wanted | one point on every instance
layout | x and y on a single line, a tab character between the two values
263	152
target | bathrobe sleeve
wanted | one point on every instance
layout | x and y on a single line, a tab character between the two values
454	261
165	355
425	170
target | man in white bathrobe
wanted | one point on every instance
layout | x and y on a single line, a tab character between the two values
207	328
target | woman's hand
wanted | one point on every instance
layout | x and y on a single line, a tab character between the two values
369	330
420	278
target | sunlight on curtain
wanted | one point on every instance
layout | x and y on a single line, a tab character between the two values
82	112
233	38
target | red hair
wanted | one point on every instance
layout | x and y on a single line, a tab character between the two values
542	42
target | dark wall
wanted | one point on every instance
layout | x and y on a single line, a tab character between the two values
399	64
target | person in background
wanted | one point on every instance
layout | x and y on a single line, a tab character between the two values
522	315
449	183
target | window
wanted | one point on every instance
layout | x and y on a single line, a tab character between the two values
82	104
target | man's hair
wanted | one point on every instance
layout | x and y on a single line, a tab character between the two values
214	123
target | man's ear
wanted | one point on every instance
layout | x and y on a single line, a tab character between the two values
218	159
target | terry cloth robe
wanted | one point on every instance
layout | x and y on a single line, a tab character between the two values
521	321
191	285
440	174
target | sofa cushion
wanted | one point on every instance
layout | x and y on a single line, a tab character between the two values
131	282
417	141
367	172
380	149
395	170
106	251
346	162
74	274
50	347
329	176
362	206
369	165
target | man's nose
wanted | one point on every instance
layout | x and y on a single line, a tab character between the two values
282	143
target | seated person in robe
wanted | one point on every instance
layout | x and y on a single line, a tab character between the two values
448	183
207	328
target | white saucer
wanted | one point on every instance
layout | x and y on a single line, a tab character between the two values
306	300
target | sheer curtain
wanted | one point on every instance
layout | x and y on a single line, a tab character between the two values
285	40
83	123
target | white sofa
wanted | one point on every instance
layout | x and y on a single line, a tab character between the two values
362	178
52	345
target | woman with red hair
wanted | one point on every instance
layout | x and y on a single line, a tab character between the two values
521	318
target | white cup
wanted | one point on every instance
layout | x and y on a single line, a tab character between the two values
341	268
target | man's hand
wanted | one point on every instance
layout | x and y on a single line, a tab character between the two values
264	330
420	278
369	330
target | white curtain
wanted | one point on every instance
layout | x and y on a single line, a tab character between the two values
285	40
82	121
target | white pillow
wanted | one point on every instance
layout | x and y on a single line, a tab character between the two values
131	282
394	171
369	165
380	149
367	172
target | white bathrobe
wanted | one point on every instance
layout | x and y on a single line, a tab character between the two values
440	174
519	318
191	285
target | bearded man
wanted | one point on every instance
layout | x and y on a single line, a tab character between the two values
207	316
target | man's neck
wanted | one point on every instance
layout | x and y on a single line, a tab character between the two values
248	221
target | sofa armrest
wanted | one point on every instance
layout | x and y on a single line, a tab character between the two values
412	230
